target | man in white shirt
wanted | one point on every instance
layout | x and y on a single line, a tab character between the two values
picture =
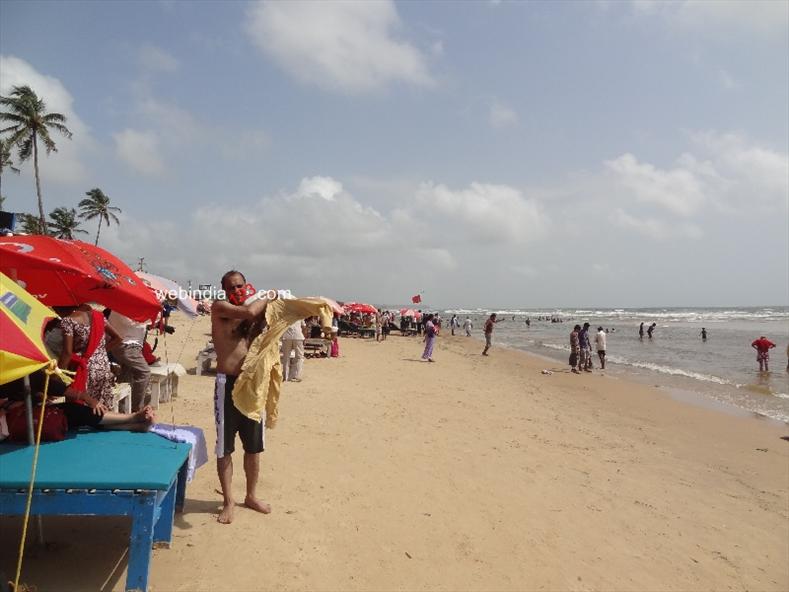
600	341
293	341
129	355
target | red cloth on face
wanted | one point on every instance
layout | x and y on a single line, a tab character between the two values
81	360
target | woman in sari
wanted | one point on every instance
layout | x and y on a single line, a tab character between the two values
430	338
86	339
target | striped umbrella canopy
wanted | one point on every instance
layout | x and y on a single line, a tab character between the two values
164	288
22	320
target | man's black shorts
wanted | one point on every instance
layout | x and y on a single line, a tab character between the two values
229	421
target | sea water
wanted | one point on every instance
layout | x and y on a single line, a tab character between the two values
722	369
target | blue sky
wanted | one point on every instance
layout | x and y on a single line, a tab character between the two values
485	153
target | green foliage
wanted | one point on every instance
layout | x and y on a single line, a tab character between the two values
27	123
64	223
97	205
29	224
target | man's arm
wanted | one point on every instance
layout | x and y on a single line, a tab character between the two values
225	309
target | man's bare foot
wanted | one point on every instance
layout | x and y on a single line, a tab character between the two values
254	503
226	515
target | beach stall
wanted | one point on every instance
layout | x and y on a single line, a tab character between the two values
111	473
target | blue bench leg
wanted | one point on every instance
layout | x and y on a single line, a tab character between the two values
141	542
180	492
163	529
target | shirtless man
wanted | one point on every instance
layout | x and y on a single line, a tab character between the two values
233	327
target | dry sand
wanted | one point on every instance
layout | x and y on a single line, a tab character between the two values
473	473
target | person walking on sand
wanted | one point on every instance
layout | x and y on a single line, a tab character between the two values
600	342
430	338
233	327
703	334
468	325
489	333
641	331
763	347
574	348
651	328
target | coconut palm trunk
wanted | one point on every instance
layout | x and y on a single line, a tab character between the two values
41	215
98	232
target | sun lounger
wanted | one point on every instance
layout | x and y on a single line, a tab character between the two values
142	476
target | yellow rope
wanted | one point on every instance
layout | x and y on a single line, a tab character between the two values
29	503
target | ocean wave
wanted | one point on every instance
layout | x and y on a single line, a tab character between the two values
675	315
678	372
556	347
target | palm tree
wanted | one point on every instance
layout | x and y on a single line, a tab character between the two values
97	205
30	224
30	123
5	162
64	223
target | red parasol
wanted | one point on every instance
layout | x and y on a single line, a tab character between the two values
410	312
360	307
69	272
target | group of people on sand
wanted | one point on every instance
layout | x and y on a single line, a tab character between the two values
581	348
432	327
80	340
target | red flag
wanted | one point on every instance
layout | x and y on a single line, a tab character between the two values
416	299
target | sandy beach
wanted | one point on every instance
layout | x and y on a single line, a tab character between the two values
388	473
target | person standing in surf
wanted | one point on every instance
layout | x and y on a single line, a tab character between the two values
763	347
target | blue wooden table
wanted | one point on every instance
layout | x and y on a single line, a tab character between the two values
142	476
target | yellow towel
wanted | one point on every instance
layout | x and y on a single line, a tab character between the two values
258	385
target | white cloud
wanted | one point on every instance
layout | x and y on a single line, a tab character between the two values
481	214
66	165
342	46
323	187
155	59
140	150
178	130
757	17
760	172
678	190
320	234
501	115
655	228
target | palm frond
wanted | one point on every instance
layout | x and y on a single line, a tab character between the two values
25	150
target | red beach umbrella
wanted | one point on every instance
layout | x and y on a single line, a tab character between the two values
410	312
70	272
360	307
